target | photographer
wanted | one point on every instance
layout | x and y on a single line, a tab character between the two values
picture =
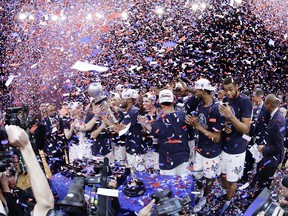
17	137
283	197
8	185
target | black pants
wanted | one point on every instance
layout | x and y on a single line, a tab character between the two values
285	157
263	177
14	208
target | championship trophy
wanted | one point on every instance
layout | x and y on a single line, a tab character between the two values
95	90
134	187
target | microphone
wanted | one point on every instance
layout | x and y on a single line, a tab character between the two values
104	175
102	200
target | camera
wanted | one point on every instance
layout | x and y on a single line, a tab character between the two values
226	104
264	203
74	203
5	164
17	116
13	116
168	206
194	113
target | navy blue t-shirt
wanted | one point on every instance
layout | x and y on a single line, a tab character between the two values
210	119
172	133
241	107
136	142
74	139
190	107
150	143
101	145
191	104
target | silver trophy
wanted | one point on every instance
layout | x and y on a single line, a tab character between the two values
95	90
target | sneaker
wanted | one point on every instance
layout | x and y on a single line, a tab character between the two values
244	186
224	208
201	192
199	205
222	195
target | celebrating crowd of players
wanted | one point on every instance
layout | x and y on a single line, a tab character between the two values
177	130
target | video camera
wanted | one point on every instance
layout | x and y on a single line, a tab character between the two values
89	167
13	116
168	206
5	164
17	116
74	203
264	203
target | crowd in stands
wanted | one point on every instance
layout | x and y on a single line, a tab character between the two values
145	50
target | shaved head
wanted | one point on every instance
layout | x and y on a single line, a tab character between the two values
271	102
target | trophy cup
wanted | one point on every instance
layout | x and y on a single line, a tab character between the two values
134	187
95	90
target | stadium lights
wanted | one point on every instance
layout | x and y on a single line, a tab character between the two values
99	15
159	11
124	15
202	6
54	17
31	17
89	16
22	16
63	17
235	1
195	7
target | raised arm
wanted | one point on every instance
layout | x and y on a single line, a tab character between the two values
18	138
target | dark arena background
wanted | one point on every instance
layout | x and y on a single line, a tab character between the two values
143	43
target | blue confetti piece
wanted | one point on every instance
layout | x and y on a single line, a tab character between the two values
95	52
267	162
86	39
169	44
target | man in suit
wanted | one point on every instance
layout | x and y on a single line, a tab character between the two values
273	150
54	142
257	132
283	110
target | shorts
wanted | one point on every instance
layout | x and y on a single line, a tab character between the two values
232	165
110	157
152	160
119	153
192	147
210	168
181	170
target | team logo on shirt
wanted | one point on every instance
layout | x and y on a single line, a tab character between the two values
202	120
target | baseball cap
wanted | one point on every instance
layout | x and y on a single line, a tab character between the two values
151	96
114	95
74	105
166	95
119	87
204	84
178	85
285	181
129	93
